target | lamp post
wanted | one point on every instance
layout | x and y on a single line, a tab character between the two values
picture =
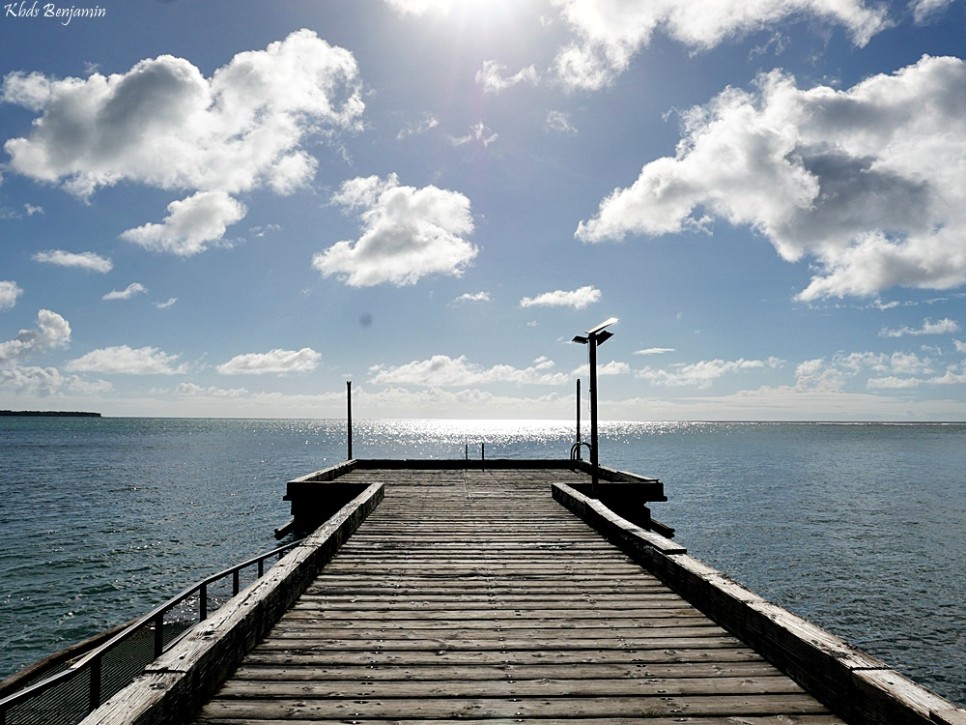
595	336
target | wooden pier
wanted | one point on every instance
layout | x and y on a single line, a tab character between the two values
443	594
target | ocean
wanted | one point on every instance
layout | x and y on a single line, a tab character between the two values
860	528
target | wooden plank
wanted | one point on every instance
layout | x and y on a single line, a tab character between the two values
311	670
324	657
560	709
503	687
674	720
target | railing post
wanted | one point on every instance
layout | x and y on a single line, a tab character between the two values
203	603
234	582
95	684
158	635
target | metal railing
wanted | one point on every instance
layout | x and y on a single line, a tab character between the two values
66	697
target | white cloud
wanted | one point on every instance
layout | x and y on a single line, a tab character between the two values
847	177
127	361
609	34
478	132
52	332
944	326
191	225
166	304
82	260
578	298
494	77
924	11
473	297
654	351
559	121
425	124
135	288
44	382
275	361
165	125
408	233
899	370
702	374
193	390
444	371
960	346
614	367
9	292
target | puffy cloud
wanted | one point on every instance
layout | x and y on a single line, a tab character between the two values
52	331
44	382
163	124
127	361
898	370
274	361
614	367
944	326
703	373
610	33
9	292
82	260
493	77
191	225
473	297
444	371
654	351
578	298
869	181
135	288
407	234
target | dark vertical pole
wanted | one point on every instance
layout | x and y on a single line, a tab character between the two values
578	419
594	459
95	684
159	635
348	385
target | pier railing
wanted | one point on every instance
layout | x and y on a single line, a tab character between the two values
67	696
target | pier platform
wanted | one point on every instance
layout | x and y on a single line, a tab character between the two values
504	594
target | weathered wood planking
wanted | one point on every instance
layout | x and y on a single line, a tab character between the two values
473	595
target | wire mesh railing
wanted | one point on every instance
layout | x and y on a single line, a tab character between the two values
68	694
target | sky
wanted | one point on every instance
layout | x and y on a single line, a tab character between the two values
229	208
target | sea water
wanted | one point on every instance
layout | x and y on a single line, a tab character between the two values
860	528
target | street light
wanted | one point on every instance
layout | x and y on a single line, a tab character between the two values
595	336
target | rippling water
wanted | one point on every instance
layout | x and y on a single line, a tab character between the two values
860	528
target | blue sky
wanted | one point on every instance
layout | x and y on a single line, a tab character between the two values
229	207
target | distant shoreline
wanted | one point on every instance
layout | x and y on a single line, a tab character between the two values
47	414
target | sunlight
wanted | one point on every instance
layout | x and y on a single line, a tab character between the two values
462	9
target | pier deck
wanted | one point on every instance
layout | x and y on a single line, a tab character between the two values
474	595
